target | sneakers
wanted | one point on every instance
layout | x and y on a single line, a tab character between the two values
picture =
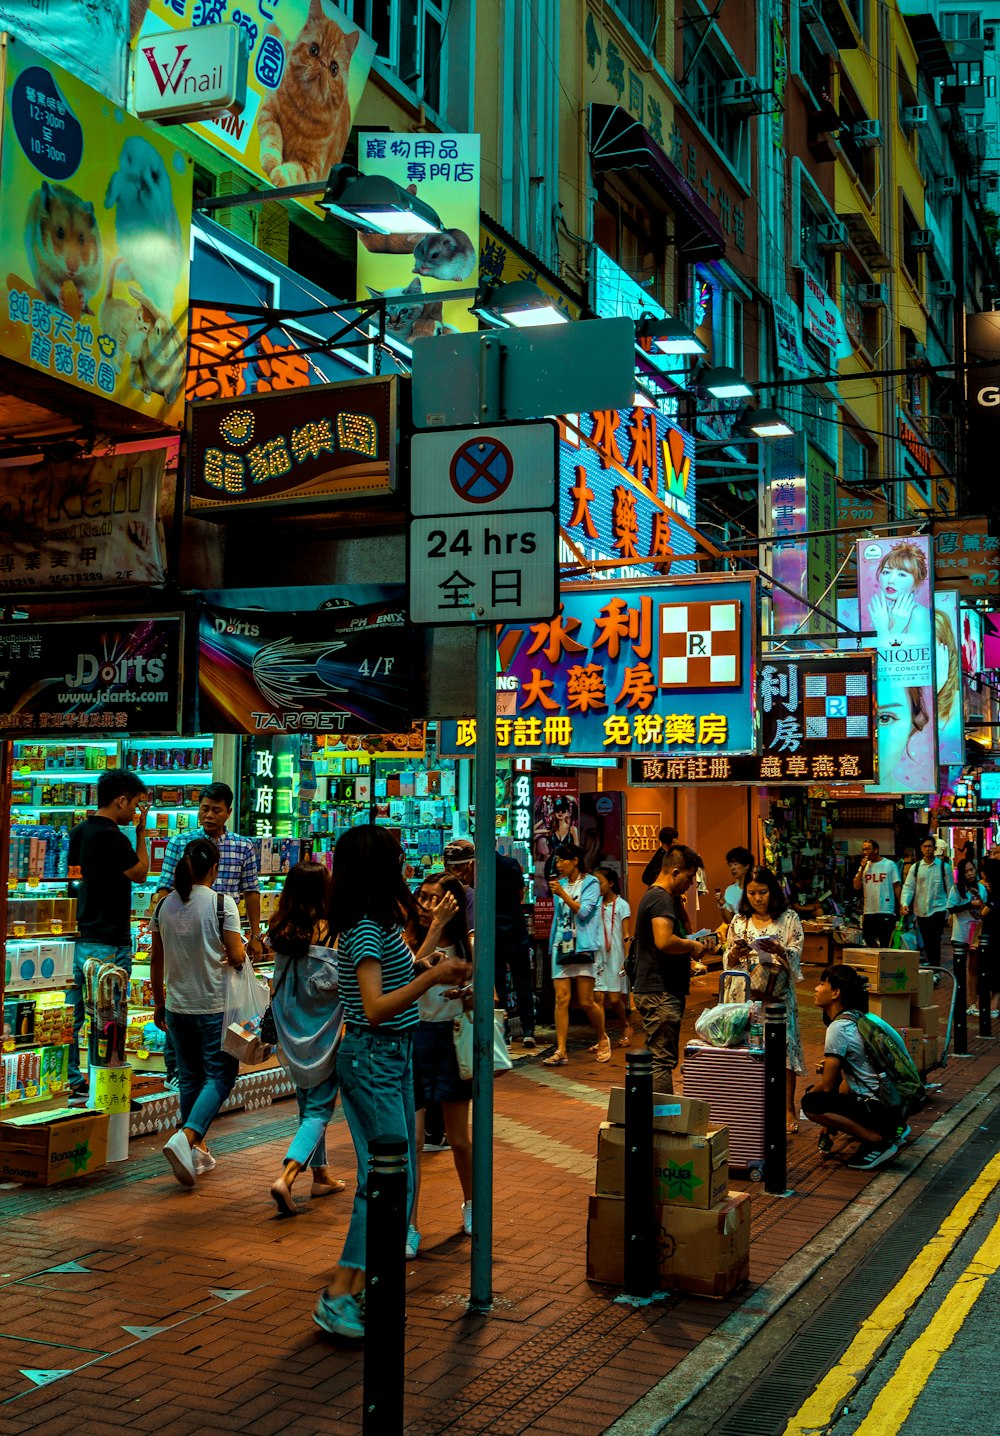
339	1316
467	1218
171	1084
412	1243
528	1041
203	1161
903	1134
871	1156
178	1153
442	1146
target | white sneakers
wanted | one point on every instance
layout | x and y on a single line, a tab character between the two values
467	1218
178	1153
412	1243
203	1161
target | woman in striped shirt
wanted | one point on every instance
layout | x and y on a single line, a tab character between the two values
369	904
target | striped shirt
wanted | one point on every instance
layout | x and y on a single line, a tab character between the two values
237	861
368	939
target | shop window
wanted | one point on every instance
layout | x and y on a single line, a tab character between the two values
707	67
410	38
960	24
633	235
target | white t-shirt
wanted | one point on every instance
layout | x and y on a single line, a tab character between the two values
844	1041
194	957
877	884
433	1005
613	915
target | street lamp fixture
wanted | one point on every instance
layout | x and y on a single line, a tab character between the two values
520	304
722	382
376	205
669	336
769	424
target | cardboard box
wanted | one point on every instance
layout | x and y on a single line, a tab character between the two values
888	970
929	1020
925	987
894	1008
43	1148
706	1253
914	1039
689	1170
670	1113
930	1053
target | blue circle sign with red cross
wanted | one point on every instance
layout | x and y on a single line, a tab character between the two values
481	470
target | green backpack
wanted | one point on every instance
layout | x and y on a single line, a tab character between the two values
900	1084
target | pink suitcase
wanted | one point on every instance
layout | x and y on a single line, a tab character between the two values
731	1081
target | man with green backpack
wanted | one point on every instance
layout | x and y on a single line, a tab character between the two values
883	1084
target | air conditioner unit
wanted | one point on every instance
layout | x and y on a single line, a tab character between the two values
742	96
942	289
873	296
867	134
833	236
921	240
915	117
948	184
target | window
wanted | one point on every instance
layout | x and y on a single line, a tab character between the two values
707	70
991	88
858	11
960	24
856	460
640	14
813	215
860	158
633	234
861	317
906	98
968	72
911	255
410	39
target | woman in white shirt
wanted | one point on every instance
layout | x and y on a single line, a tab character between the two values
610	982
192	943
965	903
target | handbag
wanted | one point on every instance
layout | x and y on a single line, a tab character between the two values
461	1030
268	1030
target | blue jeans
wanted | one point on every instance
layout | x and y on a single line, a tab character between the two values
316	1104
205	1073
376	1086
82	953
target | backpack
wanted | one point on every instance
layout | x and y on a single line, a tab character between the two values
900	1084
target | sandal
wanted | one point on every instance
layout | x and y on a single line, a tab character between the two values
604	1052
282	1199
625	1038
596	1045
791	1127
558	1059
327	1189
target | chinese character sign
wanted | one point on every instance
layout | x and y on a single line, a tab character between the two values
991	641
948	679
784	504
113	676
442	171
307	70
94	240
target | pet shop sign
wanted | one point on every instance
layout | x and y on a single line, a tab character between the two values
95	215
191	74
310	446
307	65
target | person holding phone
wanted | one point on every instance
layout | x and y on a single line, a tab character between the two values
574	944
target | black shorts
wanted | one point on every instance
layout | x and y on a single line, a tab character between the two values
866	1111
436	1076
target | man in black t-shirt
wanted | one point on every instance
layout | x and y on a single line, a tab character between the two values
106	865
663	960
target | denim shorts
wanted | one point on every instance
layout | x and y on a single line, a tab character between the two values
436	1077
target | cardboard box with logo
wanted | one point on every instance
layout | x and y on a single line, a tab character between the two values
888	970
689	1169
670	1113
40	1149
705	1253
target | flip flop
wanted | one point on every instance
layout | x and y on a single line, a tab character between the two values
556	1060
625	1038
326	1189
283	1201
791	1128
595	1046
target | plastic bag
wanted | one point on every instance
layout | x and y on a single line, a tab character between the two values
462	1033
906	938
246	1002
725	1025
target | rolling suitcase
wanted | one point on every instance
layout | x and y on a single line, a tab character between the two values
731	1081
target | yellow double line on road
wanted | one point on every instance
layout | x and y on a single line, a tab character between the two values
894	1402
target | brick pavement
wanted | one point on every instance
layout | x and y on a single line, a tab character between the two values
229	1289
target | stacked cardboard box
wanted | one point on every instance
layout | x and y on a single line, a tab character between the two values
902	994
702	1229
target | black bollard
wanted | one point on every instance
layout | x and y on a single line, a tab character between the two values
983	976
639	1172
960	1035
385	1287
775	1137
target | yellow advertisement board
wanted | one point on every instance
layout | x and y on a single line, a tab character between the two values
442	171
308	67
95	218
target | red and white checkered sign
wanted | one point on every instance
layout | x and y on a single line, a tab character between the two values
700	645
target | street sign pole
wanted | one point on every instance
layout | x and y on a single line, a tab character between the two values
483	975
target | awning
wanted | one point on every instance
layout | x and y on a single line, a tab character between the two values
619	142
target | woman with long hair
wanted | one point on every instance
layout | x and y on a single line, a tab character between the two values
439	930
574	943
765	926
308	1018
894	609
195	934
369	905
610	982
966	902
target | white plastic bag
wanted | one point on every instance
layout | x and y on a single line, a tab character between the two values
462	1031
246	1002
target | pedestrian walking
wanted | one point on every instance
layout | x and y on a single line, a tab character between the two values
925	893
191	948
966	902
369	905
610	983
512	951
106	865
878	880
439	930
574	944
308	1019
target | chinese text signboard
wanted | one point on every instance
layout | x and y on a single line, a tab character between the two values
442	171
94	250
224	361
331	441
119	675
817	725
91	40
308	67
634	669
604	513
502	261
966	557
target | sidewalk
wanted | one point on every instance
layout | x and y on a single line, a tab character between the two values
221	1292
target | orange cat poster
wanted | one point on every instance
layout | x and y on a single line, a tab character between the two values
308	67
443	171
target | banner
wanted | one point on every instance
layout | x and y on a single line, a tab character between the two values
339	670
308	67
556	820
822	319
791	351
85	525
895	588
118	675
95	218
817	726
88	39
948	680
991	641
442	171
